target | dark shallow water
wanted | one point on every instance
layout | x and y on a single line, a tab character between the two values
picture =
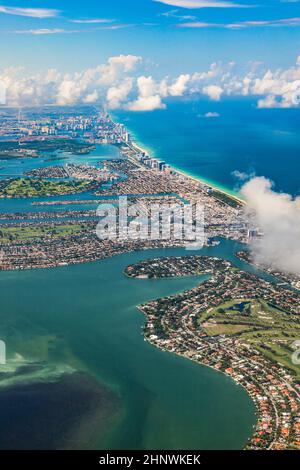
63	414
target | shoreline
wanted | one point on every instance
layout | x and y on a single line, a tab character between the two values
148	151
202	364
140	148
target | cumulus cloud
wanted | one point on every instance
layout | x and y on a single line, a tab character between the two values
282	88
213	91
151	92
148	96
179	87
115	84
274	89
116	96
89	85
278	217
91	97
146	103
121	83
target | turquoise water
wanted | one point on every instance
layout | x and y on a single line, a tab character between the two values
90	313
16	167
265	142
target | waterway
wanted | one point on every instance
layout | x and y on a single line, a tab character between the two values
85	317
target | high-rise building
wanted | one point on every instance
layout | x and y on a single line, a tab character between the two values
127	137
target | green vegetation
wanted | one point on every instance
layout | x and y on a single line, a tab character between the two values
223	329
68	145
268	329
226	198
35	232
26	187
14	149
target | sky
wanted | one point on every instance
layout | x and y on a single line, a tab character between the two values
170	40
177	36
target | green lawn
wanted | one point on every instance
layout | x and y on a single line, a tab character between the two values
269	330
27	187
35	232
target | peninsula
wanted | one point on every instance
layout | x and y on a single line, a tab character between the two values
240	325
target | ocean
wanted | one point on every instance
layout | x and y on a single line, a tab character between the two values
214	140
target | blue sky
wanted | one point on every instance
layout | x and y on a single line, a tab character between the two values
135	54
172	38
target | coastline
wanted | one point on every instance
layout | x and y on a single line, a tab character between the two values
141	147
179	324
236	383
137	145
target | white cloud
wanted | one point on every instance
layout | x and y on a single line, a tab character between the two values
89	85
31	12
275	89
278	216
41	31
194	4
210	115
213	91
119	83
179	87
174	14
91	97
70	31
117	95
215	69
146	103
258	23
242	24
198	25
148	97
69	92
281	88
269	101
242	175
151	92
93	21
